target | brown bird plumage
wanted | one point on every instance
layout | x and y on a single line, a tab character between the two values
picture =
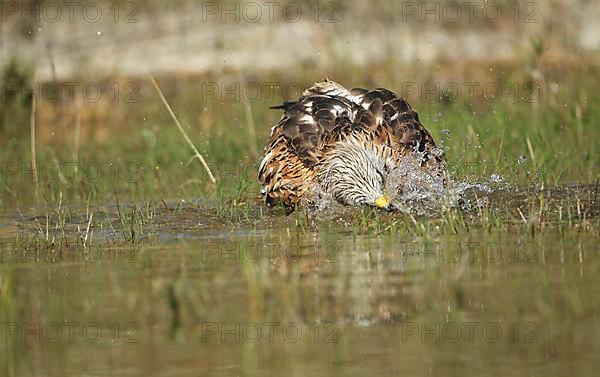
330	129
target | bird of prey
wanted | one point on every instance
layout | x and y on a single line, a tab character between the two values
348	143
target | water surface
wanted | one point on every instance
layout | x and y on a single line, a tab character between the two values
199	293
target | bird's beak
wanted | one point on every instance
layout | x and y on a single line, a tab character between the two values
382	202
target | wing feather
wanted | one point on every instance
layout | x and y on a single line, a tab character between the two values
297	144
405	132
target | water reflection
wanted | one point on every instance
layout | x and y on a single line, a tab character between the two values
275	298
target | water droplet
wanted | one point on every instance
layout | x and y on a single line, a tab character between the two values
495	178
98	33
522	159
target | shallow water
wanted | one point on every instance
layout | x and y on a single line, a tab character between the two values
346	292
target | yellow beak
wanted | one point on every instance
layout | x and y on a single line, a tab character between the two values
382	202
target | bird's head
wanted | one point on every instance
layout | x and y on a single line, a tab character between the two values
357	174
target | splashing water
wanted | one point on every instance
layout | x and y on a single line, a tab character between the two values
423	192
418	191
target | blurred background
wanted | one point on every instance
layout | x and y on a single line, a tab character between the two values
100	39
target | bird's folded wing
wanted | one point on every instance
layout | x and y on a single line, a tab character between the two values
401	129
297	144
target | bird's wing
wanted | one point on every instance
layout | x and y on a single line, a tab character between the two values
297	144
398	126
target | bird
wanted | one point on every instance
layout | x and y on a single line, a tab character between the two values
348	143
